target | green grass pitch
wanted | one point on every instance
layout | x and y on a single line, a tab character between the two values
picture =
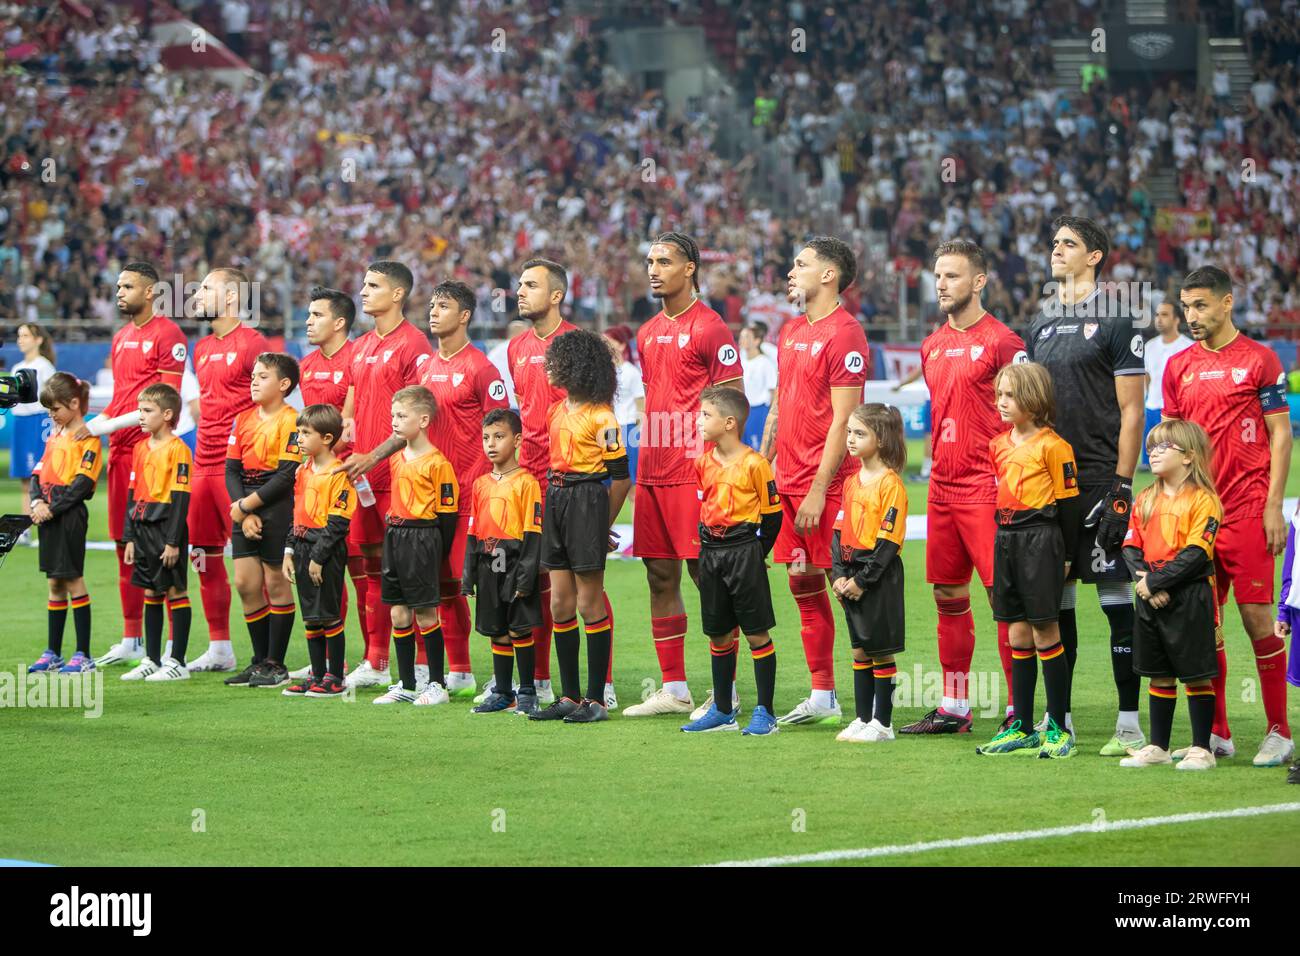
196	773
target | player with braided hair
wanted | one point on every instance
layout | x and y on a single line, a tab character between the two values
684	349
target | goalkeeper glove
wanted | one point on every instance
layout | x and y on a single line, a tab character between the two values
1112	524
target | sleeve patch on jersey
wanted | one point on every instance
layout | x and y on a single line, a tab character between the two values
88	459
341	501
497	391
178	352
291	446
772	497
1137	345
612	439
182	473
1020	358
1272	397
537	512
727	355
1071	480
887	522
1211	529
447	494
853	362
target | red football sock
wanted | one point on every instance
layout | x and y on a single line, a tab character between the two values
454	613
542	635
132	598
361	583
816	627
1004	652
1270	662
956	645
214	586
381	621
1220	728
670	646
609	612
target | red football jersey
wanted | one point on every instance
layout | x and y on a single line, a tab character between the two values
959	369
381	367
680	356
527	355
466	387
224	368
813	358
1228	393
325	381
142	357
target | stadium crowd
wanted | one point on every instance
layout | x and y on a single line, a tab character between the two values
362	144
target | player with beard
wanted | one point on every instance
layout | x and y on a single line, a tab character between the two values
1235	388
466	386
822	367
385	360
960	361
326	378
542	287
1087	340
683	350
223	363
149	349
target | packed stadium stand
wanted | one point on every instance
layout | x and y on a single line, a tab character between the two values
461	137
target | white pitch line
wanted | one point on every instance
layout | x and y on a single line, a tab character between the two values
828	856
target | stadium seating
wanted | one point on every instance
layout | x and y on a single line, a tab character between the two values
399	130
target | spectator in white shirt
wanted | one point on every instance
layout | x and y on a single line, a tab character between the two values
629	396
188	423
29	425
760	382
1167	343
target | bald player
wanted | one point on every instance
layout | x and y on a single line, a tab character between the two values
223	363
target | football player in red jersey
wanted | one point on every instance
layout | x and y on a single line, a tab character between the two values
385	360
1235	388
223	363
466	386
148	349
542	287
684	349
960	361
822	366
326	378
